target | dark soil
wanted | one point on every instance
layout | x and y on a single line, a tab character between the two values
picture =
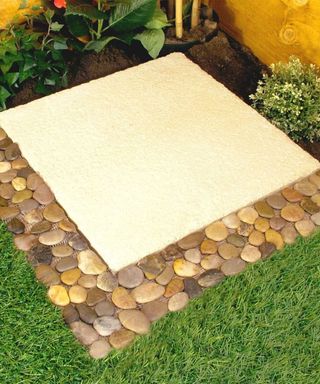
312	148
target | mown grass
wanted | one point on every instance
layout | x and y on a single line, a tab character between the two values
262	327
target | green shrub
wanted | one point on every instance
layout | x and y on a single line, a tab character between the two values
290	98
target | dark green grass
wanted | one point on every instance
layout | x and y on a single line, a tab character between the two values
262	326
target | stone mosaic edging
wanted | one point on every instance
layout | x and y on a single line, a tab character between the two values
105	310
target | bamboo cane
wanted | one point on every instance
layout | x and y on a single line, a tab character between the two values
179	19
195	13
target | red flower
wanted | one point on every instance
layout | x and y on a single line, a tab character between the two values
60	3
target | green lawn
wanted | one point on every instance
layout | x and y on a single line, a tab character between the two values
262	326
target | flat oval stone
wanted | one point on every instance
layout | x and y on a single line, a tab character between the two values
90	263
309	206
66	264
316	218
306	188
77	294
154	310
165	276
316	199
135	321
28	205
292	213
84	332
12	152
106	325
21	196
52	237
171	252
67	226
7	213
256	238
5	143
153	264
289	234
208	247
43	195
33	217
47	275
87	314
107	281
6	191
54	213
77	242
2	157
264	209
41	254
130	277
95	296
88	281
191	241
4	166
275	238
266	250
217	231
71	276
123	299
233	266
19	183
245	229
292	195
70	314
58	295
231	221
147	292
211	262
210	278
248	215
236	240
25	172
193	255
250	254
228	251
19	164
16	226
62	250
178	301
315	179
99	349
192	287
41	227
175	285
105	308
3	202
185	269
25	242
8	176
276	201
34	181
305	227
277	223
121	339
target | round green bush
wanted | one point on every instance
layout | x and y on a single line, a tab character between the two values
290	98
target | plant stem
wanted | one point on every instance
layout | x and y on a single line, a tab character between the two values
179	21
170	9
195	13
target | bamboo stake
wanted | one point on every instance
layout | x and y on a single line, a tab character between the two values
179	19
195	13
158	4
170	9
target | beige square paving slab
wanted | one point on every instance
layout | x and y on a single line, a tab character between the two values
144	157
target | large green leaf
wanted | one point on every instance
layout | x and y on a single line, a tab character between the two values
84	8
77	25
159	20
99	45
127	17
152	40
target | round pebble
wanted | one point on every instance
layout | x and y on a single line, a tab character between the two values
291	195
41	227
123	299
231	221
84	332
40	254
175	285
245	229
52	238
154	310
16	226
8	176
88	281
4	166
316	218
211	262
122	338
292	213
21	196
277	223
53	213
305	188
99	349
58	295
135	321
193	255
210	278
67	226
192	287
316	199
147	292
66	264
47	275
105	308
43	195
315	179
71	276
309	206
178	301
184	268
24	242
87	314
7	213
107	281
208	247
191	241
70	314
250	253
276	201
95	296
33	217
289	234
19	183
264	209
19	164
90	263
34	181
275	238
217	231
233	266
228	251
130	277
256	238
236	240
6	191
305	227
12	152
62	250
28	205
248	215
77	242
77	294
266	250
165	276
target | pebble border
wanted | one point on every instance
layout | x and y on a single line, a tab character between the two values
106	311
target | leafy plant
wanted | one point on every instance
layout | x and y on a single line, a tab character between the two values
26	54
290	98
